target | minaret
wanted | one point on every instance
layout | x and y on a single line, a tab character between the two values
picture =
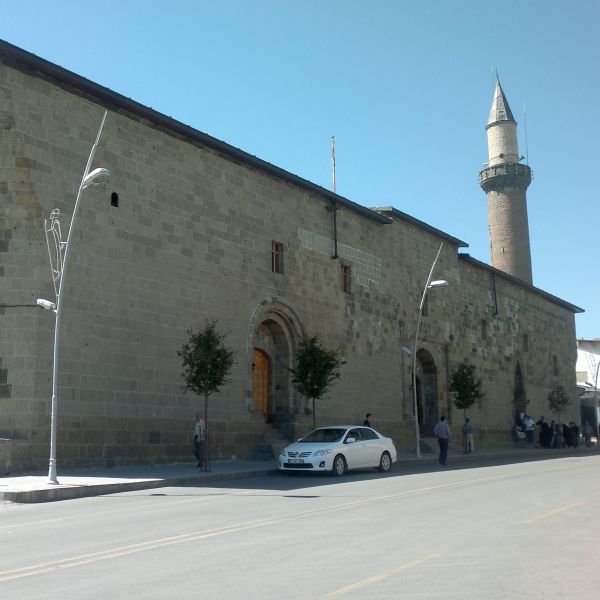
505	181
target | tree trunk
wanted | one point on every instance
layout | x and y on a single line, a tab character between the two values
314	416
206	436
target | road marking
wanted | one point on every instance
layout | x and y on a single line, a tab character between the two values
553	512
377	578
31	524
234	528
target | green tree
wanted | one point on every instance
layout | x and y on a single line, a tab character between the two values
316	371
466	387
558	400
207	362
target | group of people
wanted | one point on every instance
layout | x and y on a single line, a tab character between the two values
551	435
443	435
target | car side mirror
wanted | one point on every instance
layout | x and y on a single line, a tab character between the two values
350	440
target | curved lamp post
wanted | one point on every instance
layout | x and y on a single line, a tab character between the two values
428	286
89	179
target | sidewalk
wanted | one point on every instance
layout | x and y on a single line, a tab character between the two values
79	484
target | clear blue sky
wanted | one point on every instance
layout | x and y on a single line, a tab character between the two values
405	86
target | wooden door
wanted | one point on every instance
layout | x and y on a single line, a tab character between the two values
260	382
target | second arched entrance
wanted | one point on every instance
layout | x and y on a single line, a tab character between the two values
427	404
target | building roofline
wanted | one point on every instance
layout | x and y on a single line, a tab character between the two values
554	299
402	216
26	61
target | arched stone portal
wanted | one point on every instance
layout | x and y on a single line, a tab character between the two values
427	405
273	339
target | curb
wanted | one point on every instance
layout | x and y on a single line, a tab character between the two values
71	492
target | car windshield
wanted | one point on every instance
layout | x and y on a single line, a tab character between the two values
328	435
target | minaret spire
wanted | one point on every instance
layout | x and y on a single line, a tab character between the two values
505	181
500	108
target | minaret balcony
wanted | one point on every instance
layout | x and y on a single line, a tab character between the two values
505	175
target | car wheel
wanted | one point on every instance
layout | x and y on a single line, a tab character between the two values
339	466
385	462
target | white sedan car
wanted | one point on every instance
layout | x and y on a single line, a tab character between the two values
337	448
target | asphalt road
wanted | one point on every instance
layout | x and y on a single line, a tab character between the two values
487	531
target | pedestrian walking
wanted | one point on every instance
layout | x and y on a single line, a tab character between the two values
442	432
367	421
468	432
199	439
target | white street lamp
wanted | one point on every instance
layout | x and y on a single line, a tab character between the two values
46	304
429	285
89	179
596	396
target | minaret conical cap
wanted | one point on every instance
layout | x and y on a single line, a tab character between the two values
500	108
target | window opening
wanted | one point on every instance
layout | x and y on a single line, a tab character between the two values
276	257
346	279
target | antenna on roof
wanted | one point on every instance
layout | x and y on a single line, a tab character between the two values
526	139
333	160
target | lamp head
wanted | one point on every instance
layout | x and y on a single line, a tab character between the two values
46	304
96	177
437	283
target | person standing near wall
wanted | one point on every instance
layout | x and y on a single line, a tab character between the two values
199	437
588	431
442	432
468	431
529	429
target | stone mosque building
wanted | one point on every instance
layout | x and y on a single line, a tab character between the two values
190	228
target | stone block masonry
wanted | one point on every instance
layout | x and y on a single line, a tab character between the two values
191	240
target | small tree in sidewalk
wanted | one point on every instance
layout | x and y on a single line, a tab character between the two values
207	362
316	371
558	400
466	387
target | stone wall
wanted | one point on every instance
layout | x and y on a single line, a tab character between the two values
191	240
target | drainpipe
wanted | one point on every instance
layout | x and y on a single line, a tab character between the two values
335	247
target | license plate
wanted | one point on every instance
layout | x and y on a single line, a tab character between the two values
297	461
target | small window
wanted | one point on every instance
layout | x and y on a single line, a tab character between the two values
114	199
346	279
484	332
353	433
276	257
368	434
525	342
555	364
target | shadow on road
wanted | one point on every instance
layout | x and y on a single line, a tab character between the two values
285	483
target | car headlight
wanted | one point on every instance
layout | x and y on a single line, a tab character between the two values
321	452
283	452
